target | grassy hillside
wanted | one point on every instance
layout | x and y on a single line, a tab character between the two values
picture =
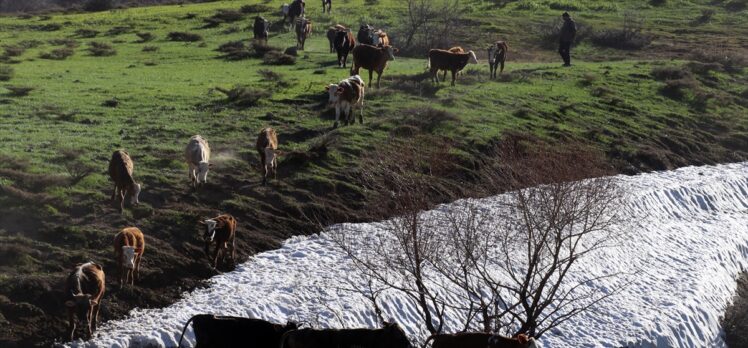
679	99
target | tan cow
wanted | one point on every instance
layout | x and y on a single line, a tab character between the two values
129	245
120	170
303	31
84	289
267	147
197	155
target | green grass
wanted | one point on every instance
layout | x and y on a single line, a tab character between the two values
608	100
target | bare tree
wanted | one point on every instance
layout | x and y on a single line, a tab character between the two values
429	24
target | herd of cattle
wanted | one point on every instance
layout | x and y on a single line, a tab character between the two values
371	50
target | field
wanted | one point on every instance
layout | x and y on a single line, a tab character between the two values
79	86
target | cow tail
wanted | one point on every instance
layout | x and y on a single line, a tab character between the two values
179	345
426	343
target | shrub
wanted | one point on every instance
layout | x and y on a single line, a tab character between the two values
428	119
277	58
101	49
657	2
274	77
231	46
14	51
235	50
19	91
242	96
190	16
111	103
98	5
623	39
736	5
678	89
255	8
228	16
145	37
549	32
118	30
706	16
731	62
735	321
565	5
150	48
58	54
30	43
184	37
292	51
86	33
63	42
669	73
50	27
6	73
528	5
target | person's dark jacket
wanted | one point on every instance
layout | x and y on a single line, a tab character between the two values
568	30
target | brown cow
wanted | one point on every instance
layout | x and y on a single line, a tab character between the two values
479	340
497	56
129	245
446	60
390	336
84	289
222	230
372	58
267	147
303	31
345	96
120	170
344	43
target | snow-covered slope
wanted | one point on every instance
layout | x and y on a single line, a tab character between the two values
689	238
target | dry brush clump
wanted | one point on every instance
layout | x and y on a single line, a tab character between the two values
58	53
145	37
70	43
19	91
242	96
184	36
6	73
13	51
101	49
86	33
630	36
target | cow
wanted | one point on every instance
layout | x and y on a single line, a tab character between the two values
446	60
328	5
345	96
381	39
479	340
497	56
303	31
267	147
390	336
219	331
221	230
84	289
293	11
120	171
129	245
332	33
197	155
373	59
344	44
364	35
261	29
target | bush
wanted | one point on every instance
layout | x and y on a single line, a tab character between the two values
629	37
255	8
277	58
58	54
118	30
657	2
101	49
111	103
14	51
228	16
735	321
86	33
150	48
736	5
6	73
550	31
19	91
30	43
669	73
565	5
63	42
678	89
244	96
731	62
184	37
98	5
145	37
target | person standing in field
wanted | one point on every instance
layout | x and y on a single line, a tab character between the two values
568	32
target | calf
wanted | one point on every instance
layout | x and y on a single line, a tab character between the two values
344	44
390	336
261	29
303	31
120	171
364	35
446	60
197	155
328	4
267	147
221	230
346	95
218	331
479	340
84	289
497	56
372	58
129	245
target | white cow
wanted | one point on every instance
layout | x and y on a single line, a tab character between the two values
197	155
345	96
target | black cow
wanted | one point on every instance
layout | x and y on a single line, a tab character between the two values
326	5
366	35
390	336
218	331
344	43
260	29
295	10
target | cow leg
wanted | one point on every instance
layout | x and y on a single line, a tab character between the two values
379	76
265	175
337	115
454	75
89	332
361	115
95	316
444	77
502	67
215	255
371	73
71	323
121	200
137	266
115	191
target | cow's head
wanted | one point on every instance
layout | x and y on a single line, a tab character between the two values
334	91
81	304
210	230
202	175
492	54
128	256
390	52
473	59
135	194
